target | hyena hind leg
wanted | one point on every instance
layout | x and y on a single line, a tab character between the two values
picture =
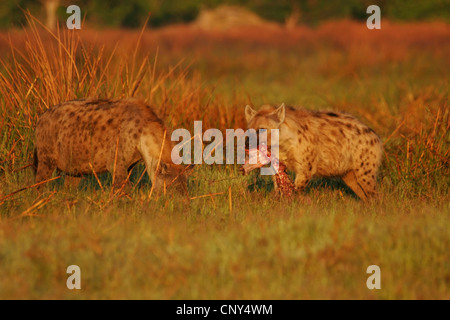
363	187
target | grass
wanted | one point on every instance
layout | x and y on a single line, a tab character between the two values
231	238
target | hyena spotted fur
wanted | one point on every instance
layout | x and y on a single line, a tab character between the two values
324	144
90	135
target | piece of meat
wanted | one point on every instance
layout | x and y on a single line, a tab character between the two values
262	156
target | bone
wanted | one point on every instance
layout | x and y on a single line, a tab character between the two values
262	156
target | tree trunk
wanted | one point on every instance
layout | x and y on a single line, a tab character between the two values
50	11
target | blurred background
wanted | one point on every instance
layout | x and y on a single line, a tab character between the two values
133	13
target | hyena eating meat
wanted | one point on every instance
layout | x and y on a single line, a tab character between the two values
321	143
91	135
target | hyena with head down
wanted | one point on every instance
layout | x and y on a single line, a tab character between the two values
94	136
323	143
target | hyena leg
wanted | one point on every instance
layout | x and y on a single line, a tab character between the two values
302	177
156	175
153	170
364	187
367	181
352	183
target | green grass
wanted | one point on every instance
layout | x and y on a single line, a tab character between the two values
231	237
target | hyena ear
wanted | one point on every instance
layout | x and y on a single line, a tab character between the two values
280	113
249	113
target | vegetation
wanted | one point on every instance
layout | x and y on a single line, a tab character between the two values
231	237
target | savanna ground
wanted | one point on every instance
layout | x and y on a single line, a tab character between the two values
231	238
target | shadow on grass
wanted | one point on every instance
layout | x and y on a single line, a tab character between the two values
260	184
89	182
265	185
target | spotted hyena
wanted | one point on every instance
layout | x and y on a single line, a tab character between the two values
90	135
323	143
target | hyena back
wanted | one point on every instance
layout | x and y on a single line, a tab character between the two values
94	136
323	143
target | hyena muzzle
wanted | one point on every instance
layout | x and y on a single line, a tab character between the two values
94	136
324	144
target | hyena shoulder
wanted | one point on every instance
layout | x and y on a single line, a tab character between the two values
329	122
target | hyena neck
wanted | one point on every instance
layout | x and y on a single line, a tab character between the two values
286	137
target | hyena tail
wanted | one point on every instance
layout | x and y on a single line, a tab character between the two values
35	161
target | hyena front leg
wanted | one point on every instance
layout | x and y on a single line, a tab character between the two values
303	174
367	181
301	180
352	183
303	162
152	166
